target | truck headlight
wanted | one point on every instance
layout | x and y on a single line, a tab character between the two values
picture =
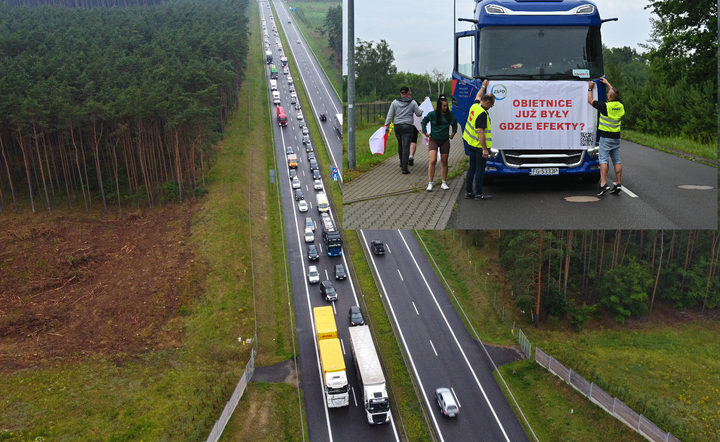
594	152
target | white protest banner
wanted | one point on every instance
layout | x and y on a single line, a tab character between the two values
426	107
378	140
542	115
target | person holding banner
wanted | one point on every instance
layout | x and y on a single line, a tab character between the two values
401	113
440	121
611	114
478	141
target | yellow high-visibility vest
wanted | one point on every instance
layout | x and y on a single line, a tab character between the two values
611	122
471	134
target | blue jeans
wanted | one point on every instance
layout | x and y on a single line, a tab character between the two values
476	169
404	133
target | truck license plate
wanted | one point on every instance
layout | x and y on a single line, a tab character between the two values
544	171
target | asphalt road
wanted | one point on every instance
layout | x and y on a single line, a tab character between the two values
323	98
441	351
653	198
347	423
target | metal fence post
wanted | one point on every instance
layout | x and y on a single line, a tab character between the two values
614	400
591	387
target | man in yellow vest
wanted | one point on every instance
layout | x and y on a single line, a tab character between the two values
611	114
478	141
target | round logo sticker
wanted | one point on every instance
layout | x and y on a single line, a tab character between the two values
499	90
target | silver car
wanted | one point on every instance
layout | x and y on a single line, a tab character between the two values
313	275
295	183
446	400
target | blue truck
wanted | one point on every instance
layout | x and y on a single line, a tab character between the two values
531	43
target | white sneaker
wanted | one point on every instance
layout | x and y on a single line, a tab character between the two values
429	187
444	186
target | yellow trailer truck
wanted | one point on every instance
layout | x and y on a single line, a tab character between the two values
332	361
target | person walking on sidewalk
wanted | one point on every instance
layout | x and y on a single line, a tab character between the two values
440	121
611	114
401	113
478	141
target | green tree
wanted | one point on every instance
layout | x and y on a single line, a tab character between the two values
333	28
686	34
624	290
374	69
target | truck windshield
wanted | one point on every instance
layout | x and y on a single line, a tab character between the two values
378	405
342	390
540	53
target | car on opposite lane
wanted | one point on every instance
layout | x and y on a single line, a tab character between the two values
378	247
446	400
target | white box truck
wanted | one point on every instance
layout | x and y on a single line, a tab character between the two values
268	54
370	374
273	85
322	203
276	98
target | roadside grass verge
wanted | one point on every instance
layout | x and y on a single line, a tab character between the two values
364	159
311	17
556	411
407	410
667	372
267	413
674	145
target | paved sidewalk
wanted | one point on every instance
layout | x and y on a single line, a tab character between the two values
384	198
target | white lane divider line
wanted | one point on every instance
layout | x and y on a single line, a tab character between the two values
415	307
401	278
433	347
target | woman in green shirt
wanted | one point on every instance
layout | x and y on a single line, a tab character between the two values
440	121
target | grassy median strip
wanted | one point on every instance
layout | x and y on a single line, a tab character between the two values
411	421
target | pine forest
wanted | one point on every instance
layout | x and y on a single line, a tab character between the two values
114	102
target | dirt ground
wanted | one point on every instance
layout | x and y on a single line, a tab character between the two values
75	285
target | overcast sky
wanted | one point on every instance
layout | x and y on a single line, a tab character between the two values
420	32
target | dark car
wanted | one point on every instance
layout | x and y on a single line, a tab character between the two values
339	271
323	117
313	254
328	291
308	147
314	165
293	173
356	316
288	150
316	174
311	156
299	195
306	139
378	247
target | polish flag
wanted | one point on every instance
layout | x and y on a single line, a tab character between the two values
426	107
378	141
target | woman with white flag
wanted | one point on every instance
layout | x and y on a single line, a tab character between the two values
439	134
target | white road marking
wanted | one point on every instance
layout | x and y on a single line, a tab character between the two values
401	278
456	398
416	310
433	347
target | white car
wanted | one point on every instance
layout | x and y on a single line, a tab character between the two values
299	116
318	185
295	183
302	206
292	88
324	216
290	80
309	235
305	130
313	275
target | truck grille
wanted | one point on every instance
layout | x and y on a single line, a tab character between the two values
519	159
